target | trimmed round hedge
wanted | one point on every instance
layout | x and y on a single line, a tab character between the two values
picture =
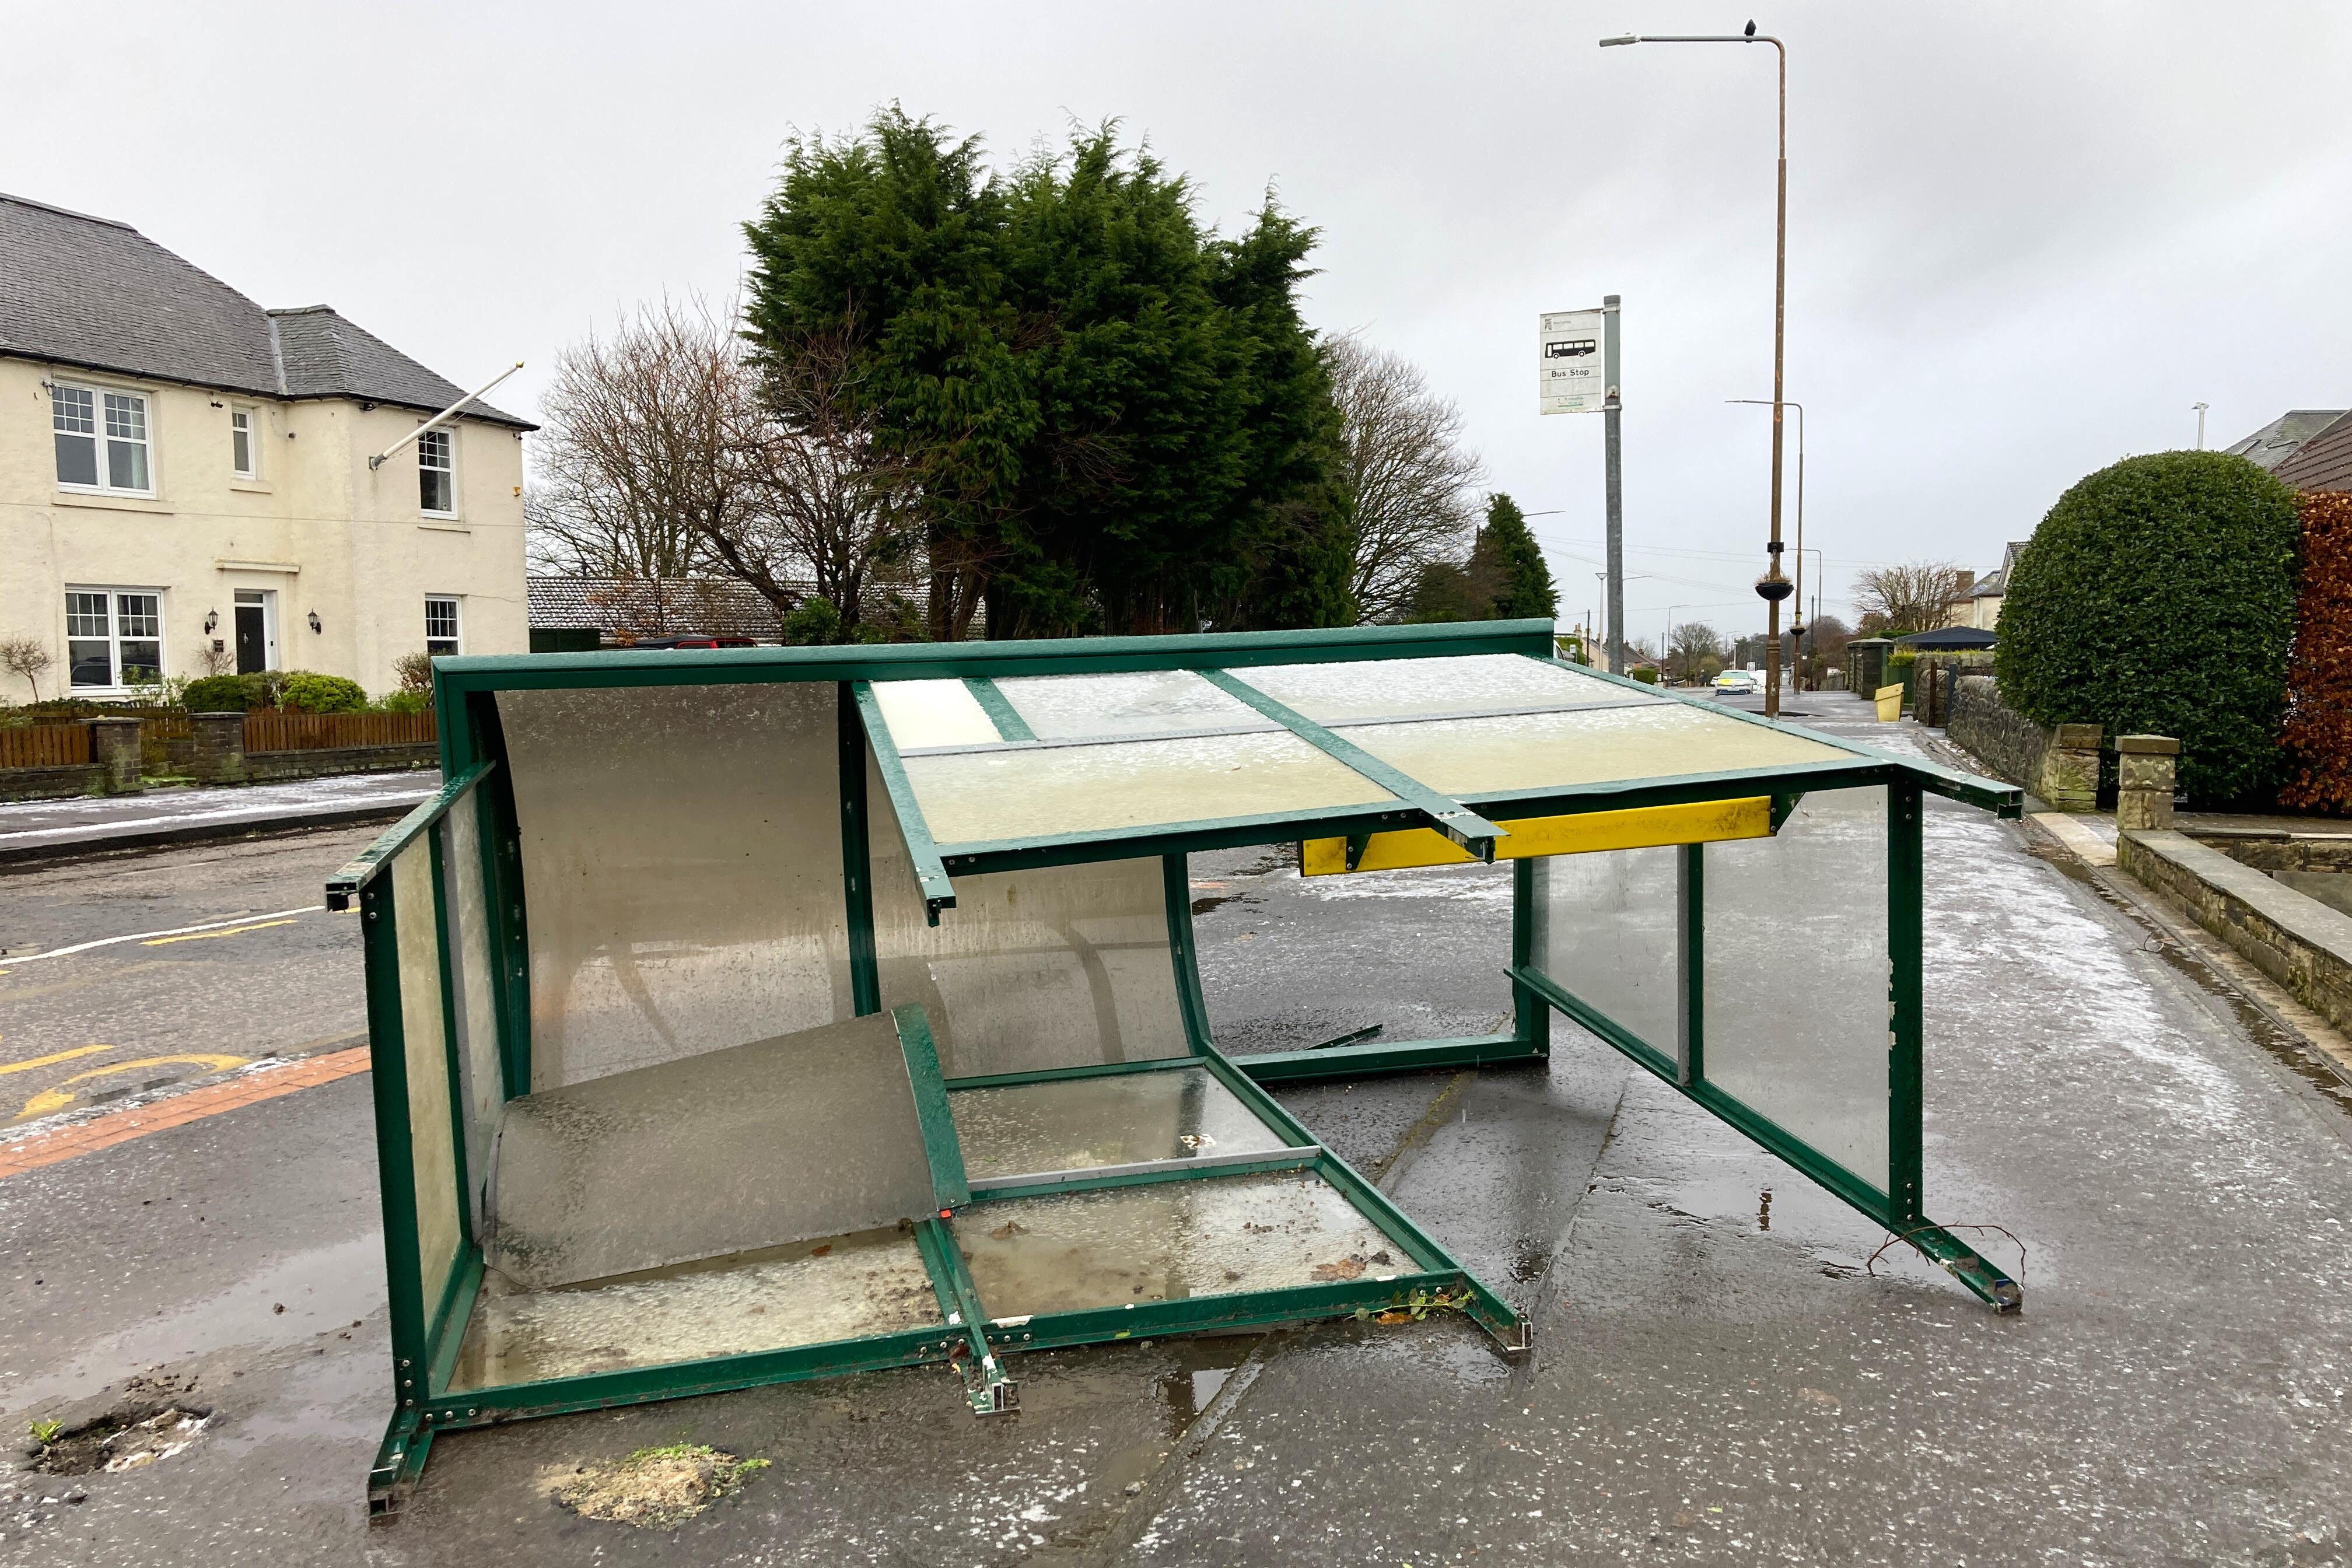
2157	597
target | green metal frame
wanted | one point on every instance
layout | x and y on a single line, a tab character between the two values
426	1336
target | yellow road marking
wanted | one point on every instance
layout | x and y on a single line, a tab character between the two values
50	1100
207	935
60	1057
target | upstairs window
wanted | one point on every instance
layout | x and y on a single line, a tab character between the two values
101	440
437	473
240	443
113	638
440	625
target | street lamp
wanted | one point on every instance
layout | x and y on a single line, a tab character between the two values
1616	652
1772	587
1796	627
2201	408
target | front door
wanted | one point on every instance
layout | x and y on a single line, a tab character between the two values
252	637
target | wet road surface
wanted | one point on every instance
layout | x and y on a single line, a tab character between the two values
1723	1374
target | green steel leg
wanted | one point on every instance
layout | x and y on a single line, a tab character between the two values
1391	1056
949	1187
1183	950
1531	1020
857	868
1906	1003
1690	960
938	892
985	1386
399	1464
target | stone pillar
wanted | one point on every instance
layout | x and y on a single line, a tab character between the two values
2070	769
219	747
114	746
2144	773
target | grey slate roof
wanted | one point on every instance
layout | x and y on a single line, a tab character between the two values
2283	437
643	606
1995	583
92	292
2322	463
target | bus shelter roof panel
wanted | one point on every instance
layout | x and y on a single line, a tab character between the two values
1169	1241
1333	694
1121	1119
839	1288
1157	702
1536	752
935	713
977	796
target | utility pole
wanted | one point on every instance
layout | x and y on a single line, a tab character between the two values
1611	411
2201	408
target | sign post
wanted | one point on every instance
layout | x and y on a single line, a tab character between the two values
1576	359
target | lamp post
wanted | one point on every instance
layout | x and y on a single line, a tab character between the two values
2201	408
1797	627
1614	593
1772	587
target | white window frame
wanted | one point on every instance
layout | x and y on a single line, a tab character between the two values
114	594
252	417
98	393
447	438
456	640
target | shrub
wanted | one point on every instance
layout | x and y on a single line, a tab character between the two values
2318	735
405	700
814	620
415	671
219	694
2157	596
308	693
1647	674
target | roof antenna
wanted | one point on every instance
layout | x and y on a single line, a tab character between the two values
480	392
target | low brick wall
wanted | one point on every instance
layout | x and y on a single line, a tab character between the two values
265	765
2296	941
52	783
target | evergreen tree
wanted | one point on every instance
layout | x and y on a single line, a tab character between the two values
1507	566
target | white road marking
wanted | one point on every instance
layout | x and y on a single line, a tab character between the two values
11	960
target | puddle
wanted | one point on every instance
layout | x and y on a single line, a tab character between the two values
122	1440
287	1303
653	1489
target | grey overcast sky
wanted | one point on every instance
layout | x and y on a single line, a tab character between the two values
2023	239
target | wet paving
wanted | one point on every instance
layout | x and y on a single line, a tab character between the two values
1729	1369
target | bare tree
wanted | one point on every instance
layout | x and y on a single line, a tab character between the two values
1693	642
28	659
1916	597
1409	481
643	453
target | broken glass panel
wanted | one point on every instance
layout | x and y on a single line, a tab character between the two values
844	1287
1353	692
1534	751
975	796
1125	1119
809	1134
1168	1241
432	1151
1063	706
481	1080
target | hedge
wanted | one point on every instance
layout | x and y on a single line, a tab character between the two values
2157	597
2318	735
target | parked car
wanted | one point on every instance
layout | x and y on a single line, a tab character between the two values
1733	682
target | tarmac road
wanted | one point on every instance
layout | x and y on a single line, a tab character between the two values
1722	1375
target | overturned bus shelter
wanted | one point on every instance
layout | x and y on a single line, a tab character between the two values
754	1015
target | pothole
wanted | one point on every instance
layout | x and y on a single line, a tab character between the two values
653	1487
119	1441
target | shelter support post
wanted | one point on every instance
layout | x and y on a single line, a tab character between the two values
930	870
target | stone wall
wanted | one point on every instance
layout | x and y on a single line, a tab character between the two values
2004	740
2295	939
261	765
52	783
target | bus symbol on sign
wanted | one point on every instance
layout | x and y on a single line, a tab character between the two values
1571	349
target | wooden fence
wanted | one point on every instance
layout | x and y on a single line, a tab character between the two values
45	746
282	729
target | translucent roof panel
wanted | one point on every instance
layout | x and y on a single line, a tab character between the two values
1032	792
934	713
1070	707
1534	752
1400	687
1123	1119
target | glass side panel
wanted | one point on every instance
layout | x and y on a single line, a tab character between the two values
1065	707
1611	939
934	713
809	1134
1063	966
481	1082
1547	751
1127	1119
681	850
844	1288
1796	966
431	1147
984	796
1168	1241
1394	688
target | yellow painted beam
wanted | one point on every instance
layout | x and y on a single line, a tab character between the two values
1642	827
